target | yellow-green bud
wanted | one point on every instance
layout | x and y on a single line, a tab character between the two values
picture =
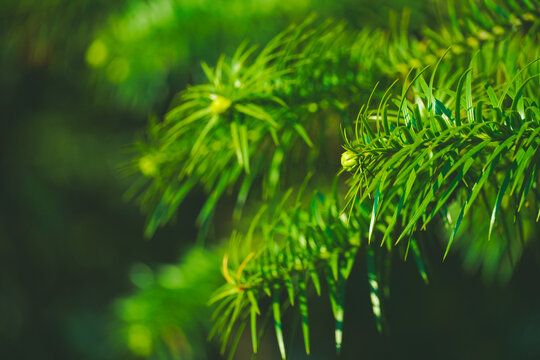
349	160
422	46
430	59
148	165
484	35
219	104
528	17
498	30
472	42
402	68
456	49
415	63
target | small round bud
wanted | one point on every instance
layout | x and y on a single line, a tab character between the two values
498	30
528	17
349	160
484	35
219	104
148	165
472	42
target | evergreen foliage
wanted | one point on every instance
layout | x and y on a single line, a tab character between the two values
455	150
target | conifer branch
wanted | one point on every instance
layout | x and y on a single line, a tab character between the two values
458	145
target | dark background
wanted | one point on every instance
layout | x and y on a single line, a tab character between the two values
68	238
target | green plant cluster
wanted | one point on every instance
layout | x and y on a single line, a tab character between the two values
456	148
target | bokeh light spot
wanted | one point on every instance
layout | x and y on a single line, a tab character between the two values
171	277
140	340
141	275
118	70
96	53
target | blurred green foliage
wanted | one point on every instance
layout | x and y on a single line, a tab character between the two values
165	317
153	48
78	281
